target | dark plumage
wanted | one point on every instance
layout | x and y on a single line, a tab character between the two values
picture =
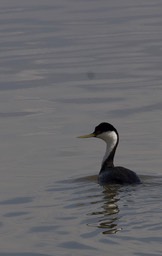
109	174
117	175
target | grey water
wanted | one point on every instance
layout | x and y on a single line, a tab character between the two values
66	66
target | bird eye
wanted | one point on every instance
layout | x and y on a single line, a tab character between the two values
97	132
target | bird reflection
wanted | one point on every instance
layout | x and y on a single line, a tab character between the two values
108	214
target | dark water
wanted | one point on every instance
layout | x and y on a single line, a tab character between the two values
65	66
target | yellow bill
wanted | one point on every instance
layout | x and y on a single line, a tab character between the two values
87	136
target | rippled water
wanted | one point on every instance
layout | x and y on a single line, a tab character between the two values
65	66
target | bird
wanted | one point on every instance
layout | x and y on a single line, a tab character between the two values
110	174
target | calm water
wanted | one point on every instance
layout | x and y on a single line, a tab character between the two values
65	66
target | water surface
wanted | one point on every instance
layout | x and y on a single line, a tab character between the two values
66	66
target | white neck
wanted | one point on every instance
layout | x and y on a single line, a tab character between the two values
111	139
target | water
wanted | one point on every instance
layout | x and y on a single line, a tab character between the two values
65	66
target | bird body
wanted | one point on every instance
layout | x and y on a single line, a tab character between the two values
110	174
117	175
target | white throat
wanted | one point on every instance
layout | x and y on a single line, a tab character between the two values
111	139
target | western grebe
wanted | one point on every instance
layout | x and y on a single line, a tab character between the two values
110	174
